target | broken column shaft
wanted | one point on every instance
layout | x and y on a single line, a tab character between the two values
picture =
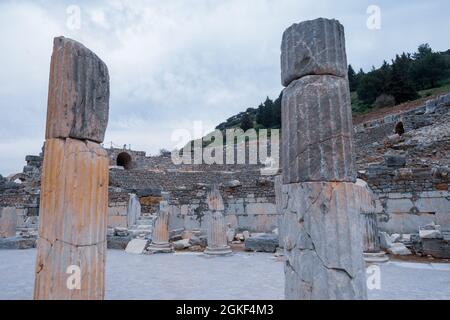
160	238
371	241
322	231
71	253
217	230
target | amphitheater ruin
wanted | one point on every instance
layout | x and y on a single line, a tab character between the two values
378	185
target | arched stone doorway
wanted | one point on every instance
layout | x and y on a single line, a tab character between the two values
124	160
399	129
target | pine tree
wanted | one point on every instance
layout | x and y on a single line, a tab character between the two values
402	87
352	78
247	122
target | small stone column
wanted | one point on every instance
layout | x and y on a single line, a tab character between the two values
133	210
160	238
71	247
217	230
8	222
370	227
323	236
371	240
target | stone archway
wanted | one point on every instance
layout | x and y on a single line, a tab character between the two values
399	129
124	160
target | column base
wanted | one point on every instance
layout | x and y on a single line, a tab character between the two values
375	257
160	248
223	251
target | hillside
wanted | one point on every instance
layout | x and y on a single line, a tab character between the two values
407	82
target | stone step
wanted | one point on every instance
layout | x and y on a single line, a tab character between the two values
142	227
144	221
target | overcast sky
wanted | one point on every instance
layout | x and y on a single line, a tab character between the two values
172	62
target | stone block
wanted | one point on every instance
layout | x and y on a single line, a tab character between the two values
260	208
395	160
8	222
118	243
399	249
323	241
17	243
74	193
78	97
313	47
430	234
317	131
136	246
262	243
438	248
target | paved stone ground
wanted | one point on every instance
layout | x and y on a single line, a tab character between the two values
194	276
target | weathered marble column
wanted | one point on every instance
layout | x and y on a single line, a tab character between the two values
217	230
323	236
8	222
371	241
160	238
133	210
70	260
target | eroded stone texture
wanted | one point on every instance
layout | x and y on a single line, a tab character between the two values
215	200
8	222
323	241
217	229
160	240
133	210
313	47
317	130
78	97
73	218
217	235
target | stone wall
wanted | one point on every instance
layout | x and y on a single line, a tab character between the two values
409	173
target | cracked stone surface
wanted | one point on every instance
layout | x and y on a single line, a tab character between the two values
313	47
78	96
323	241
73	219
317	130
8	222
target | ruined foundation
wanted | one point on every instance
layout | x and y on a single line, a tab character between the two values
74	190
320	201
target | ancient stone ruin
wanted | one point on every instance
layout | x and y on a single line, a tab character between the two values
160	240
313	212
322	239
74	183
217	232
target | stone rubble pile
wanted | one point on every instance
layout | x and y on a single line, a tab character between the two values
430	240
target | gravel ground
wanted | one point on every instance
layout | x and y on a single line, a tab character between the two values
194	276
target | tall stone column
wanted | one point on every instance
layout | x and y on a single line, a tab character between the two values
323	236
160	238
217	230
70	261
